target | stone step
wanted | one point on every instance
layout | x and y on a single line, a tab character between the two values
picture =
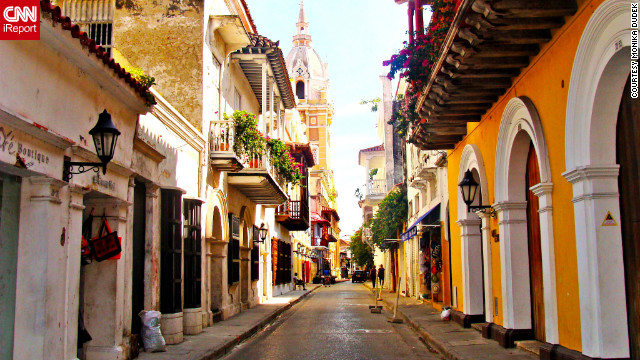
532	346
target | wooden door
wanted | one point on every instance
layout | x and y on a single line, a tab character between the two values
628	153
535	253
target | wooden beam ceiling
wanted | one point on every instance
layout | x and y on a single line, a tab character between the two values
486	47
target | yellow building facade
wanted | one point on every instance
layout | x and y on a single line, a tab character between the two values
558	262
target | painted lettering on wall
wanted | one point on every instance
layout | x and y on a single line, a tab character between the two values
103	182
10	145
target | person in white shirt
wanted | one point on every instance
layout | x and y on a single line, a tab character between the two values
297	282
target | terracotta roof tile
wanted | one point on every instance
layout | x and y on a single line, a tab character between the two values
374	148
55	13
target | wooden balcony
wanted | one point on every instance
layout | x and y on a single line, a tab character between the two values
294	215
320	241
259	181
329	234
221	154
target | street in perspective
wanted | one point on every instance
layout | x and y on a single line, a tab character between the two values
319	179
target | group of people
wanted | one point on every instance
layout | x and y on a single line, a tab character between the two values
373	274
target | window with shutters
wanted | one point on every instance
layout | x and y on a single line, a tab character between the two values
192	253
233	250
95	17
274	261
255	255
171	251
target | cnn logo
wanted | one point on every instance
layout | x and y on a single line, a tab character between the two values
15	14
20	20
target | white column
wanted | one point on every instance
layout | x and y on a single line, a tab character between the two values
547	246
471	266
152	249
280	121
264	97
514	258
40	281
487	266
603	308
74	245
271	110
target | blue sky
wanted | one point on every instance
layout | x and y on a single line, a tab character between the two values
354	37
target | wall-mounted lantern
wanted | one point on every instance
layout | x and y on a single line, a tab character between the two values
263	233
105	135
469	188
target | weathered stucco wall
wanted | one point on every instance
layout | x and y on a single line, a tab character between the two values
164	38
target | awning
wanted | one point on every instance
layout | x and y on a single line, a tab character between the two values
429	217
319	219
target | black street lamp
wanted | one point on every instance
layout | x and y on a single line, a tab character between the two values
469	188
264	232
105	135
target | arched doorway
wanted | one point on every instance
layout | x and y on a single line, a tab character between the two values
628	156
523	203
475	248
600	72
536	286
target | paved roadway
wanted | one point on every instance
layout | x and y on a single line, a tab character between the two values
334	323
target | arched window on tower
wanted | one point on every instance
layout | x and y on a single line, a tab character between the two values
300	89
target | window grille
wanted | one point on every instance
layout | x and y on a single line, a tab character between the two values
171	251
95	17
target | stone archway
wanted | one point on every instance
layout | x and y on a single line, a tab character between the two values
519	128
475	246
600	70
216	236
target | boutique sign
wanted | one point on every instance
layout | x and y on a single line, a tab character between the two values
15	151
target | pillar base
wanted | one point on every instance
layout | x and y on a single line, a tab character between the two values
466	320
506	337
559	352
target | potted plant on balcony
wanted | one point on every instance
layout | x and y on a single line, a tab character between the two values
248	142
284	163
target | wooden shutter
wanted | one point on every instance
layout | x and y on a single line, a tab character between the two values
233	250
171	251
192	254
255	255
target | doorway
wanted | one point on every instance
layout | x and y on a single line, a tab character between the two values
138	244
535	253
9	219
628	156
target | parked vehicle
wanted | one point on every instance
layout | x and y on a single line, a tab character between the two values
358	276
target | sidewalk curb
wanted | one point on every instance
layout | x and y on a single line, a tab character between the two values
225	348
445	350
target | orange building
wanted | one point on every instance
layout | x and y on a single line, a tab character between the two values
536	100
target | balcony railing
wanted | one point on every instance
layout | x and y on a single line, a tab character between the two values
329	233
259	180
221	154
294	214
377	187
320	241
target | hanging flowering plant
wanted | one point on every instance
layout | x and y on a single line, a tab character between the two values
416	60
284	163
248	141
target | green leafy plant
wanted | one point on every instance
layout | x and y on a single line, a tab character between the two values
248	141
362	253
392	213
373	102
373	172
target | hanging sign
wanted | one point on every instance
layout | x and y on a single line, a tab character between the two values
609	220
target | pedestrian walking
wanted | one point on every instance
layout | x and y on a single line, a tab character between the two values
372	276
381	275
